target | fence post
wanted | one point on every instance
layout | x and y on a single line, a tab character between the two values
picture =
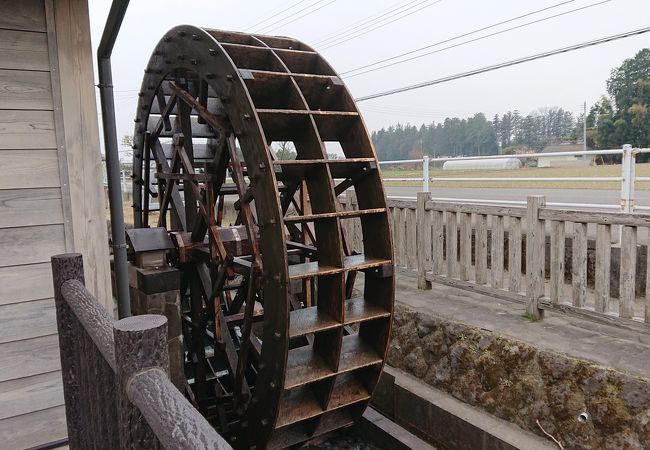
628	177
423	239
140	344
70	267
425	174
535	243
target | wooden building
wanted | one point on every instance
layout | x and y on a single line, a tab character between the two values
51	201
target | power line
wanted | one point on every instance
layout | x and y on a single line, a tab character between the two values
460	44
306	14
335	43
275	15
363	22
457	37
269	27
506	64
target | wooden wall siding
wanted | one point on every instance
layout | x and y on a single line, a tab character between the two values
27	130
30	245
26	15
25	90
18	396
27	320
13	280
29	169
25	207
88	209
24	50
28	430
51	201
29	357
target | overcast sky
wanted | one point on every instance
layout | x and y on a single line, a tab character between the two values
564	80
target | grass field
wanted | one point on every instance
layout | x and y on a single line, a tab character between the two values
642	170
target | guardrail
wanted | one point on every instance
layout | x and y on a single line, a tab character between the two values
115	375
627	179
544	257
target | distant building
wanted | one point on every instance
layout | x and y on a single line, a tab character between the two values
565	160
489	164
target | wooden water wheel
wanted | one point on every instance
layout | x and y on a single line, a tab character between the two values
283	341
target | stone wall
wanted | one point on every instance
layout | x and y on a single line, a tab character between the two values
583	405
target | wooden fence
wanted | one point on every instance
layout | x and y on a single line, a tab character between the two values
115	375
502	251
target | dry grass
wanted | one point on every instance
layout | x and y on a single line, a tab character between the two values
526	172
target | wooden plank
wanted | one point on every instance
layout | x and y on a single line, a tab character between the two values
514	254
25	207
451	235
535	243
646	306
412	248
628	272
28	15
23	50
557	261
33	429
402	204
399	236
29	394
357	230
579	265
391	221
27	320
608	218
26	130
481	249
423	235
465	258
477	209
29	169
20	89
30	245
29	357
86	207
403	231
603	261
437	242
497	251
13	280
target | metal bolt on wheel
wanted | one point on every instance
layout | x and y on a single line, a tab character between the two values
281	345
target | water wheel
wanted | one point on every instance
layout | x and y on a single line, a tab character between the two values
285	321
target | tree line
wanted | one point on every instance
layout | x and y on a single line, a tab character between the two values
620	117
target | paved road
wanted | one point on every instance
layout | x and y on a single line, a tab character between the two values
595	196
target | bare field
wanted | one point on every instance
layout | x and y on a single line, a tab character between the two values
642	170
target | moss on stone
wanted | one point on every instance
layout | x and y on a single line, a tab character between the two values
517	382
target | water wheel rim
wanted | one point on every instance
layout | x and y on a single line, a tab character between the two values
201	51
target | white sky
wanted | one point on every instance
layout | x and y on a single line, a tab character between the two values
564	80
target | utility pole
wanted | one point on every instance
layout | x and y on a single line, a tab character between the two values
584	127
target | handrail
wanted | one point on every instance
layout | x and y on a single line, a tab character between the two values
93	317
627	179
615	151
113	371
167	411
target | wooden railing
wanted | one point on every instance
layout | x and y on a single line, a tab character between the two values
115	375
547	258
